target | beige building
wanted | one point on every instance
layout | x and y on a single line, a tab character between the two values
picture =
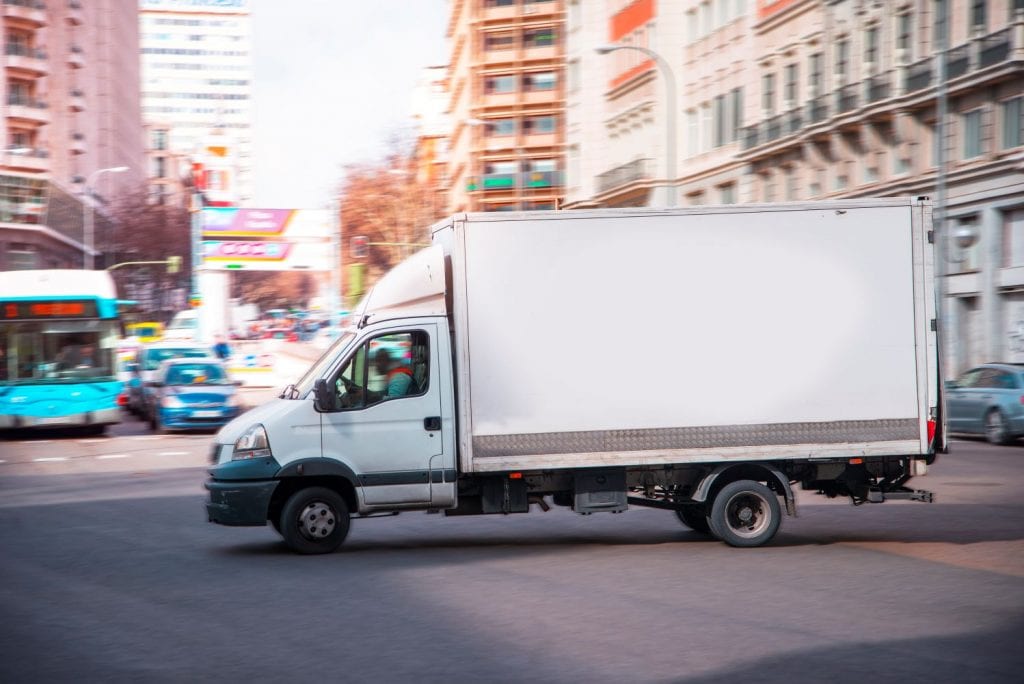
507	106
71	110
814	99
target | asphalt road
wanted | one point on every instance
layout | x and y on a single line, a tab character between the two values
109	572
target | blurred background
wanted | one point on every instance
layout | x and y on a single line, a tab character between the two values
290	153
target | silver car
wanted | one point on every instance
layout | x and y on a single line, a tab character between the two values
988	400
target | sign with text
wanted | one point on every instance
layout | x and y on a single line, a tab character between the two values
265	255
268	224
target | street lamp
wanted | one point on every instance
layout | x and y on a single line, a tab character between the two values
519	165
670	113
87	213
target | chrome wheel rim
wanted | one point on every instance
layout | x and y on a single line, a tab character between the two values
994	426
317	521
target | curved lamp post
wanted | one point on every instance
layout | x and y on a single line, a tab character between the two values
670	113
88	214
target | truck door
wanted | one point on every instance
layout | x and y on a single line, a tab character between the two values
388	428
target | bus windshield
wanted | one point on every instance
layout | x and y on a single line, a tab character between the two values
43	352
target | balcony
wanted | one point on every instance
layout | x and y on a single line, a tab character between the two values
995	48
25	110
26	61
497	10
919	75
77	143
26	12
542	179
22	159
630	172
76	100
76	57
817	109
74	15
878	88
847	98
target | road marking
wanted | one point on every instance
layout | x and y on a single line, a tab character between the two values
49	459
146	438
2	461
90	441
36	441
106	456
173	453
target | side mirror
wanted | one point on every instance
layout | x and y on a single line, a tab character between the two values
326	399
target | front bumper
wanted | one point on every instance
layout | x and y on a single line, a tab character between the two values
240	503
188	419
103	416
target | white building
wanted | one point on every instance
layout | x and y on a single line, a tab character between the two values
197	76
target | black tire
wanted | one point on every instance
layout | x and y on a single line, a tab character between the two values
996	431
695	517
314	520
745	513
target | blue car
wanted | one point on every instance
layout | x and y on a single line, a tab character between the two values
192	393
988	400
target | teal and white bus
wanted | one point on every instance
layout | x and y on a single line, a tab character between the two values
59	334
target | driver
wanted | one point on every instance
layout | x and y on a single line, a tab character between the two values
399	376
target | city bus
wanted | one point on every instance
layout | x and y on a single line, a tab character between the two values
59	333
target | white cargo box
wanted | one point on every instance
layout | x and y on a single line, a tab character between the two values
636	336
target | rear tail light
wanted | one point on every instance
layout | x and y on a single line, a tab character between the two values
122	399
931	431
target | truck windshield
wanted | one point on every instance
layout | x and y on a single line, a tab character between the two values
317	370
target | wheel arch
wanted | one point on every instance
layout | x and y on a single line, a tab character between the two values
759	472
314	472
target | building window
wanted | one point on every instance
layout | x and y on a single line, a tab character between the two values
692	133
871	49
541	80
705	127
979	18
814	84
736	109
536	125
718	120
727	193
790	179
1013	238
972	134
499	41
940	32
791	85
500	84
692	27
22	258
695	199
842	61
499	3
904	38
573	75
159	140
768	94
541	37
500	127
1013	123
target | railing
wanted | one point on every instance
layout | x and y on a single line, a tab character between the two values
958	60
19	101
879	87
16	50
31	152
846	98
750	136
542	179
919	75
638	169
817	109
994	48
31	4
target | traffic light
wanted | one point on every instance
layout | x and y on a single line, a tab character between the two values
360	247
173	264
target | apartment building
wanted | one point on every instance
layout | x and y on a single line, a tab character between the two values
71	113
815	99
433	127
197	80
507	106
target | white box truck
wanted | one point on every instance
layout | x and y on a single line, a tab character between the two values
705	360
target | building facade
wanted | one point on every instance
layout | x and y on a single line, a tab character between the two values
785	100
71	113
197	81
507	106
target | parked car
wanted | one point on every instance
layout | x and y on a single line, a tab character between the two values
988	400
190	393
148	361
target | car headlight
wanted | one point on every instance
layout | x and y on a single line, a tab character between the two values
171	401
252	444
231	401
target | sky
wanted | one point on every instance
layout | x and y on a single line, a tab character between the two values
333	84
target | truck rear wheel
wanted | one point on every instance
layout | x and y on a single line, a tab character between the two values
745	513
695	517
314	520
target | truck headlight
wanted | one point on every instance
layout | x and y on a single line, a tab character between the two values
252	444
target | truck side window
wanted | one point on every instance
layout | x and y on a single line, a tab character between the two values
387	367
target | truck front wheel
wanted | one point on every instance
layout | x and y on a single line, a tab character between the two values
314	520
745	513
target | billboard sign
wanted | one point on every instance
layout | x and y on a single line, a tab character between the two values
267	224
